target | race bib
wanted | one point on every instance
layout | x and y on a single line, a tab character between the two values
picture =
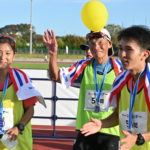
1	119
90	100
8	118
139	121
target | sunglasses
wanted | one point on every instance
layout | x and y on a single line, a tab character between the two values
96	35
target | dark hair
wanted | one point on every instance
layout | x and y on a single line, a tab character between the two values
9	40
141	34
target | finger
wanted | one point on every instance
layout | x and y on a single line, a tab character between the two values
89	133
47	35
14	137
53	35
49	32
8	132
44	40
125	133
83	130
10	137
96	121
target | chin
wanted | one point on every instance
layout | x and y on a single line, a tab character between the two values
126	67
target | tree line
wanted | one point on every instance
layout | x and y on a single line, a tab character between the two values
21	33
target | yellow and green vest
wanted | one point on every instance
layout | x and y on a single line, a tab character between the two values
140	105
11	101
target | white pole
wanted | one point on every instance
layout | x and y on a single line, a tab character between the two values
31	28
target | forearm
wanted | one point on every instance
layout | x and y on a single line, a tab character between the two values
27	115
146	136
111	121
53	68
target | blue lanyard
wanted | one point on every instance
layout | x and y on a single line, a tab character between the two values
98	92
5	87
132	99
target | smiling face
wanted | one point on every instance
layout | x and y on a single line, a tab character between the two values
99	48
6	56
132	56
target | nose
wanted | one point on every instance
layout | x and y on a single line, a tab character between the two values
122	53
2	55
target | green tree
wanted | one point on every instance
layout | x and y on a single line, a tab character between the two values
114	30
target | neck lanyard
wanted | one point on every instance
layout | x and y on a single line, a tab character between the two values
132	99
98	92
5	87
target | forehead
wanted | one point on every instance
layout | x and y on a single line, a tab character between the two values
128	42
5	46
95	40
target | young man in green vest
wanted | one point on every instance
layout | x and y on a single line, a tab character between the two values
95	77
130	92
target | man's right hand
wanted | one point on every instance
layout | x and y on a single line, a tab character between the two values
91	127
49	40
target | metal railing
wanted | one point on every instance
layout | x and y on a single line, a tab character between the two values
53	117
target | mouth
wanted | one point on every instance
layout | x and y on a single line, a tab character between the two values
124	61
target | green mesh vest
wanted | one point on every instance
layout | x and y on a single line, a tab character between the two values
83	116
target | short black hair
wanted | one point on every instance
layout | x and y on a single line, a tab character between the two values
141	34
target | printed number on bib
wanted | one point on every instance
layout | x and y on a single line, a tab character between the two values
139	121
90	100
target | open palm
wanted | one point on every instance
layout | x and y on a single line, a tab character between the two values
49	40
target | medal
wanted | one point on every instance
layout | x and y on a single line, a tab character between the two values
97	108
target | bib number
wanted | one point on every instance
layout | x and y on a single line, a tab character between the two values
90	100
139	121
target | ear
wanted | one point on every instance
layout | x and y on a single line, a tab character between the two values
110	44
146	54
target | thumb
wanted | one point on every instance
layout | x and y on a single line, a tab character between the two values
126	133
95	120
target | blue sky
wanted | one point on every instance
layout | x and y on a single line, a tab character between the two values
63	16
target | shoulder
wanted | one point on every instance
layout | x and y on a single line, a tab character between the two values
19	75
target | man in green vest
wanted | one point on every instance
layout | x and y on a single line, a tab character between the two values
95	77
130	92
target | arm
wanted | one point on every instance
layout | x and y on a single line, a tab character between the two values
13	132
49	40
111	121
95	125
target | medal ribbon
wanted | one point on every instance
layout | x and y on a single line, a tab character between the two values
132	99
98	92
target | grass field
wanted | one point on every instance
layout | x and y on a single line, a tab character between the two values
40	65
43	55
23	65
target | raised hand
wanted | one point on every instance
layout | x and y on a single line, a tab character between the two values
91	127
49	40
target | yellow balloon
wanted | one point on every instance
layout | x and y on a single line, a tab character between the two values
94	15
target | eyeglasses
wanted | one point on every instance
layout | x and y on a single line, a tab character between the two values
96	35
